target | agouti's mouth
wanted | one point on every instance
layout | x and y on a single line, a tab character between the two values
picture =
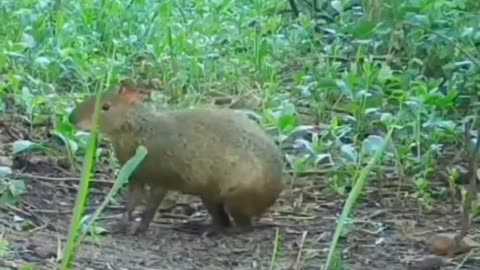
84	124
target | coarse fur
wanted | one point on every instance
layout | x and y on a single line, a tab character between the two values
218	154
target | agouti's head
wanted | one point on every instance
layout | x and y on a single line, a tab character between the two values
115	106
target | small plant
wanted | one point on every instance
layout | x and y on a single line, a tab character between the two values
4	246
11	190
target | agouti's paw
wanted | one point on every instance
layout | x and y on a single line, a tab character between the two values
120	226
213	231
139	229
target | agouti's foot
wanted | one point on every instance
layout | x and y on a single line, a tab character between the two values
122	225
140	229
214	230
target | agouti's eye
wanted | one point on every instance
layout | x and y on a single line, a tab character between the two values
106	106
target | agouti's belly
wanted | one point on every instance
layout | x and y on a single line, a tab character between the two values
172	180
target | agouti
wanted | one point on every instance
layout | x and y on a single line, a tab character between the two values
218	154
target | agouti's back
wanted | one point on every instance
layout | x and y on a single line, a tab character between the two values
218	154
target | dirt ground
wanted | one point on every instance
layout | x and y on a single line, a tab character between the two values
388	232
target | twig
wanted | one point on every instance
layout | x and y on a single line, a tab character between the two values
459	266
300	249
275	248
474	166
51	178
39	220
457	158
399	169
59	248
311	172
471	194
123	175
5	263
39	228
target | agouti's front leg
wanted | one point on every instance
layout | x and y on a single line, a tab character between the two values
154	198
134	196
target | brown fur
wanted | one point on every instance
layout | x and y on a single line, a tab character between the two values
217	154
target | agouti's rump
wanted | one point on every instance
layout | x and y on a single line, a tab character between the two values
221	156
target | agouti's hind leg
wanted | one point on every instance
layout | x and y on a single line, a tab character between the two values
154	198
242	208
243	221
220	218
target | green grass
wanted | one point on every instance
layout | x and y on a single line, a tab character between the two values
411	61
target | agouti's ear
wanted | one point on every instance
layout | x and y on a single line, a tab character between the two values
132	95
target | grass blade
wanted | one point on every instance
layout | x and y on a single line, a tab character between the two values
122	177
352	197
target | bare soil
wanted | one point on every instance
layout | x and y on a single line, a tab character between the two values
388	232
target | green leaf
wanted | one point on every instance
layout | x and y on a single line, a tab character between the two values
29	40
4	171
123	176
17	187
301	128
66	140
350	152
287	123
299	164
362	30
320	157
92	228
327	83
27	267
373	143
41	119
439	123
132	164
337	5
286	117
42	61
419	19
8	198
4	246
28	99
384	73
22	145
386	117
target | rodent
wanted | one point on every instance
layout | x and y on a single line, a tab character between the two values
446	245
221	156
